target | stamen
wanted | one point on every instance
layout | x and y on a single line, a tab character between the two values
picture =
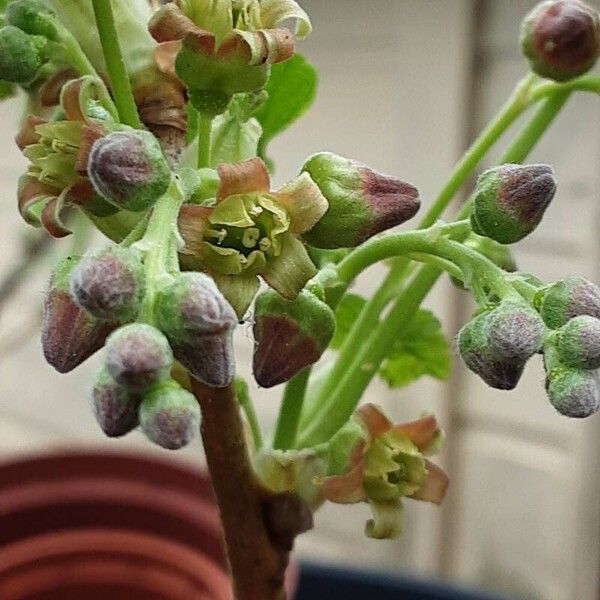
250	237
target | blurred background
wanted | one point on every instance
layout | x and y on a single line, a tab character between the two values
405	86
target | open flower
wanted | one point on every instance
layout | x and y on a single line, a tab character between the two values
222	47
386	462
251	231
57	152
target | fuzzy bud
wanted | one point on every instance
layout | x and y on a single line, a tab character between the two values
21	55
566	299
129	169
362	202
33	17
573	392
138	355
579	343
289	334
199	324
70	334
109	283
510	201
115	407
169	415
561	39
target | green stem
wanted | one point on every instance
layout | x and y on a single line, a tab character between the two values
204	140
115	65
291	407
243	397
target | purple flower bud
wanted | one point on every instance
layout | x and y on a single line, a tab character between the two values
169	415
579	343
568	298
70	334
109	283
510	201
138	355
289	334
573	392
115	407
129	169
362	202
199	324
561	39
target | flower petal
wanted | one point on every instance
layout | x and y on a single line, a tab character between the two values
239	290
347	488
373	419
28	133
265	46
289	272
227	261
422	433
386	521
52	218
242	177
433	488
165	55
303	201
274	12
169	23
192	223
233	213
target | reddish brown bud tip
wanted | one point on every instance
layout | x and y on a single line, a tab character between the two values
286	517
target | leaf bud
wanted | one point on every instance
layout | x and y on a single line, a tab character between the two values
138	355
578	343
169	415
561	38
109	283
362	202
566	299
129	169
33	17
115	407
289	335
199	324
510	201
21	55
70	334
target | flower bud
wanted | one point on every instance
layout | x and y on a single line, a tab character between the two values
70	334
561	39
362	202
566	299
289	334
33	17
115	407
21	55
138	355
474	347
199	323
579	343
169	415
129	169
510	201
109	283
573	392
286	516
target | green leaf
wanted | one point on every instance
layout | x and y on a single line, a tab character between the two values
346	313
421	349
7	90
292	88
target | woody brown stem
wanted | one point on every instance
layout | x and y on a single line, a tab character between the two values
257	564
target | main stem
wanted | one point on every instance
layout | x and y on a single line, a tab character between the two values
257	566
115	65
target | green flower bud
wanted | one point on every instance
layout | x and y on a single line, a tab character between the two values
21	55
289	334
561	39
573	392
115	407
579	343
566	299
474	347
510	201
33	17
199	324
70	334
138	355
169	415
129	169
109	283
362	202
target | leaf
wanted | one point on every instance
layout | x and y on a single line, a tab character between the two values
346	314
292	88
421	349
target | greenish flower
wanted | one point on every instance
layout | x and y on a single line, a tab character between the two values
251	231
